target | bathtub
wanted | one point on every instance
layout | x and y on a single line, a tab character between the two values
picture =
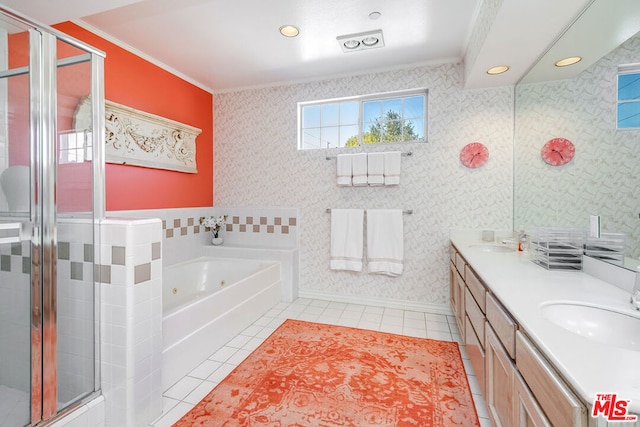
206	302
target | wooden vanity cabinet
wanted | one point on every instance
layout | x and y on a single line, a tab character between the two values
468	304
519	386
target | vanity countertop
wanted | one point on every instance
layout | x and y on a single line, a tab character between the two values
522	287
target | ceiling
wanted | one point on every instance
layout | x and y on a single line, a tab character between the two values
224	45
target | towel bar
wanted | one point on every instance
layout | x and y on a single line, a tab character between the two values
406	154
406	211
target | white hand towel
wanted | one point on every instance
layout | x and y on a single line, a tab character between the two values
392	168
347	239
375	168
343	170
385	241
359	169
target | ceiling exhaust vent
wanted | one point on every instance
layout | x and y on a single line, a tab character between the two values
361	41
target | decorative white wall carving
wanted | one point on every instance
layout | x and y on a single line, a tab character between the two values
134	137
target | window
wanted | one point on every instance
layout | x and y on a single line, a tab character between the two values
357	121
75	147
628	97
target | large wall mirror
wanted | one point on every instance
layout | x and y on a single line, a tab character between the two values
579	103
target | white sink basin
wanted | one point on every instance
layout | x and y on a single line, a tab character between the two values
487	247
597	323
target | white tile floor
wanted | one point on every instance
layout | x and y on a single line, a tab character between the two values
188	391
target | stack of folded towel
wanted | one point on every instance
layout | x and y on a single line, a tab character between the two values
371	169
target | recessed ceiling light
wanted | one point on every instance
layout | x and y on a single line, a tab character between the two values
497	70
568	61
289	30
375	15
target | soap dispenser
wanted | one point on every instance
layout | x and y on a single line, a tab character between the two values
522	241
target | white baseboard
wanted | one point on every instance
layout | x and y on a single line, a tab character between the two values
378	302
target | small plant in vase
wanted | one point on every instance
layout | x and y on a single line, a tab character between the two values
214	224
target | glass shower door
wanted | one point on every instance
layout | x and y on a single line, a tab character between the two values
16	249
74	219
48	225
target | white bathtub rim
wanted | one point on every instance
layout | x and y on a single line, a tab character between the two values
267	265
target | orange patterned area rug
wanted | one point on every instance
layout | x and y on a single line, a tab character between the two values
312	374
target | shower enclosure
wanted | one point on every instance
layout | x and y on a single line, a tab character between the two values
51	199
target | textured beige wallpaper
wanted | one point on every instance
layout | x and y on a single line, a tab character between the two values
257	164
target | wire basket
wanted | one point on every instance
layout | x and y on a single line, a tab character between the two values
608	247
557	248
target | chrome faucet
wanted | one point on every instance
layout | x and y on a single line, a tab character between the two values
635	295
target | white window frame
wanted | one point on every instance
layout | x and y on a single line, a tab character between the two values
625	69
361	100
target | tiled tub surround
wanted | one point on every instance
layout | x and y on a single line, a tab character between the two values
441	192
130	272
183	237
251	233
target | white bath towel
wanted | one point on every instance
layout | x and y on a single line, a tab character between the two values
385	241
375	168
343	170
359	169
347	239
392	168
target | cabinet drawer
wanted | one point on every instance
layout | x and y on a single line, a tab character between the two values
504	326
475	315
476	287
559	404
460	264
475	352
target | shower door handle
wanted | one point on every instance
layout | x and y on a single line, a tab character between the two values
10	232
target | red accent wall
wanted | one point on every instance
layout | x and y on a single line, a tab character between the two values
137	83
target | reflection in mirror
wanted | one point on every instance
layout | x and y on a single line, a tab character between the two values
604	176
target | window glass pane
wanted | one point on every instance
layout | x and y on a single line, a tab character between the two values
329	137
373	133
311	116
349	113
392	130
629	115
628	86
413	130
392	108
372	111
349	136
414	107
330	115
311	138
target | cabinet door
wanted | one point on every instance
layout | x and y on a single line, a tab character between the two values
453	287
499	371
475	350
526	411
456	291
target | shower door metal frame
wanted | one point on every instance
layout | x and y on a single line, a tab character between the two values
42	71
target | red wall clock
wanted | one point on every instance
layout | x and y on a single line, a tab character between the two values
474	155
558	151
